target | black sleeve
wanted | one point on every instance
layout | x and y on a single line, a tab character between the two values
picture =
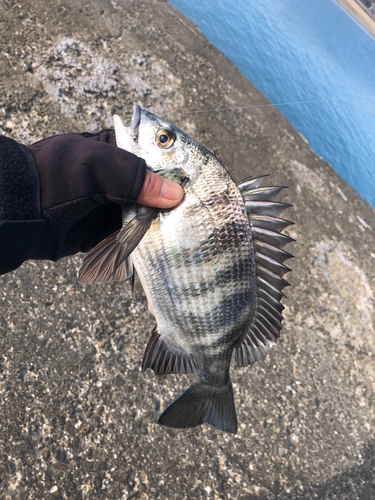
63	195
20	209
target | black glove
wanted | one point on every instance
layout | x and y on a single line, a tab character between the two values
83	183
83	179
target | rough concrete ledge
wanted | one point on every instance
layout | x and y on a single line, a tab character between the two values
77	418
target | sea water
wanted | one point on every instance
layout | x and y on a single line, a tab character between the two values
298	50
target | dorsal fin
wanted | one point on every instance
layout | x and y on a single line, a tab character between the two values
163	361
268	239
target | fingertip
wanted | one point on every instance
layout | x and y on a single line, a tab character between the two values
159	192
171	192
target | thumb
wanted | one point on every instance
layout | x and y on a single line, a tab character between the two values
159	192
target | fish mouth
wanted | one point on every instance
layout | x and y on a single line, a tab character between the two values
136	119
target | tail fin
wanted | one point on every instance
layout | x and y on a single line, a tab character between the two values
202	403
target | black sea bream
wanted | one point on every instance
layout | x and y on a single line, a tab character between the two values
211	269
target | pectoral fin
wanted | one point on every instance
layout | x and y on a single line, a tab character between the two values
108	261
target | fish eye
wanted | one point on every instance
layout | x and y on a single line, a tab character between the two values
165	139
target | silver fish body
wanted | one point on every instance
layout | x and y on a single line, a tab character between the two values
198	266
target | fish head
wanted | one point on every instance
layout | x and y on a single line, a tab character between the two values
162	145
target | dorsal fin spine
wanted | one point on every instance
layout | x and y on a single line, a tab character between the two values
271	251
275	321
251	183
274	238
271	299
271	277
268	222
270	306
275	266
261	194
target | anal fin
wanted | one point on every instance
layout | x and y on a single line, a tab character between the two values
163	361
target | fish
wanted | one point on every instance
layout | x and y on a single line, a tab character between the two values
211	268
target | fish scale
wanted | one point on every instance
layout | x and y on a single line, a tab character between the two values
184	273
212	269
228	216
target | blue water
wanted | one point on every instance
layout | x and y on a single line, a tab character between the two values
297	50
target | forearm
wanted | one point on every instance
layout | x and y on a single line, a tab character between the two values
20	212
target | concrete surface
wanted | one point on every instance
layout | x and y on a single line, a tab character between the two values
360	13
77	418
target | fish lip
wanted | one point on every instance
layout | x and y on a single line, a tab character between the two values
136	119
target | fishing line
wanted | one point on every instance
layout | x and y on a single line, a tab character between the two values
250	107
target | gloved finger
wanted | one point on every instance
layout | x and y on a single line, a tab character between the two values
106	135
159	192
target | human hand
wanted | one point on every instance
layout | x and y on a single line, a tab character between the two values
84	181
159	192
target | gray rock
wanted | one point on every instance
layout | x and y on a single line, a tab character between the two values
77	418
